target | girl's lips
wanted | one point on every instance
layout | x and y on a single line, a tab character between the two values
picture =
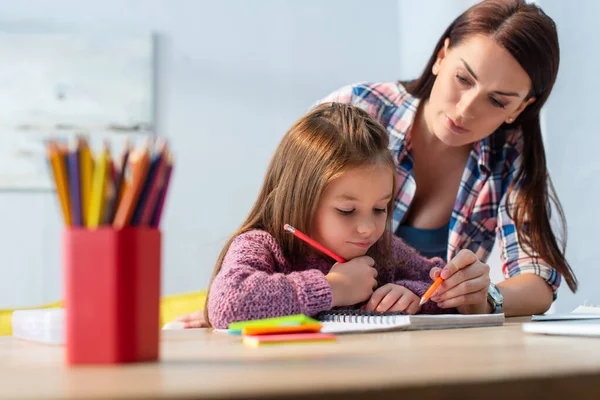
362	244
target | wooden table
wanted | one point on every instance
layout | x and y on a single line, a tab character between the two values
477	363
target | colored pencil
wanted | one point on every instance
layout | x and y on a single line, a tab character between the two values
139	167
153	169
152	195
101	191
160	203
429	292
313	243
99	188
86	172
74	168
59	169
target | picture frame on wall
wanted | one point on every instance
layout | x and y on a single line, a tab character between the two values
61	82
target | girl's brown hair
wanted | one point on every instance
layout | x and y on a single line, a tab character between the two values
531	38
328	141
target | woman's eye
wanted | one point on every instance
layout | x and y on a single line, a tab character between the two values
462	80
496	103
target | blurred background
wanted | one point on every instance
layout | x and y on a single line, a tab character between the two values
223	82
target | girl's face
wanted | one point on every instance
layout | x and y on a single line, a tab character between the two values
479	86
352	211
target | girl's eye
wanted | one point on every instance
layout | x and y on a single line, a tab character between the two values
380	210
345	212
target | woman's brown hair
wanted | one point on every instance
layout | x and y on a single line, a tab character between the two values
530	36
326	142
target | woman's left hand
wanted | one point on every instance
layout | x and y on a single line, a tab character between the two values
465	286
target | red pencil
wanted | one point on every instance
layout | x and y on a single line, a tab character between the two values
314	244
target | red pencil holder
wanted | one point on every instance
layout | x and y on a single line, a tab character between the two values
112	294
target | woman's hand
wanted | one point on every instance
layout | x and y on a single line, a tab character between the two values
193	320
465	286
391	297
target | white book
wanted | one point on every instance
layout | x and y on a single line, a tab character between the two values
585	311
582	327
582	321
354	321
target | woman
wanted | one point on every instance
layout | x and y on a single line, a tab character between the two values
471	164
470	159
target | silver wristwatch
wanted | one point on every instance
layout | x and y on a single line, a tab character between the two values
495	299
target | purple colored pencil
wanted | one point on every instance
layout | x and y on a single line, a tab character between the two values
160	203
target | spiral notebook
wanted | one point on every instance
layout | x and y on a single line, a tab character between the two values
352	321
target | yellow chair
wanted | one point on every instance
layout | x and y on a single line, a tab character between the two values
178	304
170	307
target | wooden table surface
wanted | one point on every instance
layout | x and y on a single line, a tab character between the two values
476	363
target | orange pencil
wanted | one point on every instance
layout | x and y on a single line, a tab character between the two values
139	169
430	291
56	156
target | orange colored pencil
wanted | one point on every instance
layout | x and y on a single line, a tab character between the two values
56	156
430	291
139	169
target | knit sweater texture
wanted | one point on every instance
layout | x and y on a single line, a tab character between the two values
257	281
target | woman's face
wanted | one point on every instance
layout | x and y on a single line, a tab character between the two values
479	86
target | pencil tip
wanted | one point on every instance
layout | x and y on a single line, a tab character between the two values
423	301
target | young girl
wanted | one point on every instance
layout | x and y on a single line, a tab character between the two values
333	178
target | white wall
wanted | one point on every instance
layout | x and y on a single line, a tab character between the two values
573	140
233	76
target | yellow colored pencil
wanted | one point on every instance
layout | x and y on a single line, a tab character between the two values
97	199
87	169
57	155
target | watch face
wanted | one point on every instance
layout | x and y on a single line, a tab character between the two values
495	294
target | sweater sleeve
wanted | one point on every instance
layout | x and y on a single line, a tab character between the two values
412	272
250	285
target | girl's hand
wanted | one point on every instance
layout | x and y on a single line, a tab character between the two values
193	320
392	297
465	286
352	282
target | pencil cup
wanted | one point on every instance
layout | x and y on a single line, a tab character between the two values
112	294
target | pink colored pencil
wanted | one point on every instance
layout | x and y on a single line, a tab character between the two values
313	243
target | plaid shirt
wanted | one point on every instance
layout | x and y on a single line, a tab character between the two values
480	214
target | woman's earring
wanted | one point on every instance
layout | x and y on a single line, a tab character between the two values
509	121
435	69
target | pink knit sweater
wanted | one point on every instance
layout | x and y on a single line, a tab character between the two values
256	281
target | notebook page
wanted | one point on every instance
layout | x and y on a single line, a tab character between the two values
414	322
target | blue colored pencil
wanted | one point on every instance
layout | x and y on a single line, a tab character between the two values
75	184
157	158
